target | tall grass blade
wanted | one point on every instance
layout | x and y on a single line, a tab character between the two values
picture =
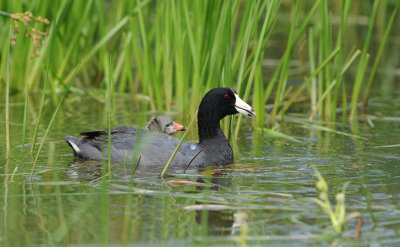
177	147
284	62
239	59
109	89
74	41
52	120
257	56
100	44
276	134
44	89
7	98
363	63
310	78
338	61
313	80
330	86
24	119
326	129
378	56
388	146
325	47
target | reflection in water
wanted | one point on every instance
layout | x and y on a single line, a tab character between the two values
85	170
218	221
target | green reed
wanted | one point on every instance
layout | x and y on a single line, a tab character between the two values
44	89
271	11
51	122
309	80
338	60
109	101
105	204
378	56
177	147
282	70
323	94
362	66
7	98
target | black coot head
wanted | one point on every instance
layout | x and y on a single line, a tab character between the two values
220	102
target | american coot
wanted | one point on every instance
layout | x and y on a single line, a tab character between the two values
164	124
156	148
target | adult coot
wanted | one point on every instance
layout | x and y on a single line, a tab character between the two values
156	148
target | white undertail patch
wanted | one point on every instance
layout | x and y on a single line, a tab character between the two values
75	147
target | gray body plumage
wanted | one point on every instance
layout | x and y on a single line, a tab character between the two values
154	148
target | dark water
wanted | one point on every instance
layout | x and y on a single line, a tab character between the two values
262	198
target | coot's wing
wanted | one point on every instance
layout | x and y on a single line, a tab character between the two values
93	134
117	131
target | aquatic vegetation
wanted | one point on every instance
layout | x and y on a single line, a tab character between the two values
171	55
44	90
337	214
30	22
7	98
51	122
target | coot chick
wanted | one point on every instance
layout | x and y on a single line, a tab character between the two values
164	124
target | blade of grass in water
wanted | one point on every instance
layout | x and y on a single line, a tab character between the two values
52	120
323	128
44	89
29	79
276	134
30	76
378	56
388	146
105	200
239	59
288	52
309	79
177	147
109	89
339	59
8	95
325	46
258	89
313	80
329	88
26	91
363	64
267	20
62	230
137	148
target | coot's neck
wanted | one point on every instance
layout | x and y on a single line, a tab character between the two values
209	128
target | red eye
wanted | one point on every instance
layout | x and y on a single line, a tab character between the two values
226	96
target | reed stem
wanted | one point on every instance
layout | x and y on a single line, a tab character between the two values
177	147
7	98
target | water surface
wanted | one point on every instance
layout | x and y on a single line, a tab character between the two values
263	197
